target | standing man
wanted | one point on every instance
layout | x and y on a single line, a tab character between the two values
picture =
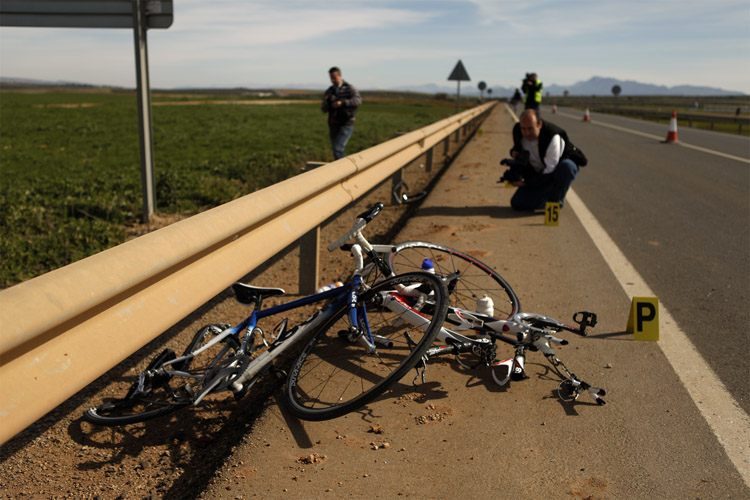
545	163
340	101
532	87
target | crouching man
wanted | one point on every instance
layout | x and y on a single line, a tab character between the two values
544	163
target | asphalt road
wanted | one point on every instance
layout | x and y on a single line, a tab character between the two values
682	218
733	144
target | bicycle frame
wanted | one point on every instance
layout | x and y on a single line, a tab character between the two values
522	331
337	297
243	369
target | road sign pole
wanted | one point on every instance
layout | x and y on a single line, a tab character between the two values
459	74
143	90
458	95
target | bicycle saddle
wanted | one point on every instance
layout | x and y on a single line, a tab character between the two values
249	294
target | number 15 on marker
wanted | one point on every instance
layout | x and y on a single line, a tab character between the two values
551	213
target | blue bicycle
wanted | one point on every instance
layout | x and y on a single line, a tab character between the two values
364	338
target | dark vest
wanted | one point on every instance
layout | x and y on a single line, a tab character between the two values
549	130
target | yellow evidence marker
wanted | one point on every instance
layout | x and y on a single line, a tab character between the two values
643	321
551	213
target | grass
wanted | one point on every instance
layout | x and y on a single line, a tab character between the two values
70	168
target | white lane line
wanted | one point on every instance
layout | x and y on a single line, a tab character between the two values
652	136
728	421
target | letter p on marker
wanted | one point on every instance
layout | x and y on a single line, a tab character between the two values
643	321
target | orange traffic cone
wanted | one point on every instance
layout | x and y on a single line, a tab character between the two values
672	130
586	115
554	109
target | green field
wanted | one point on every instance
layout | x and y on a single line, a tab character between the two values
70	172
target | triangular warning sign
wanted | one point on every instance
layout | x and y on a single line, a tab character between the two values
459	73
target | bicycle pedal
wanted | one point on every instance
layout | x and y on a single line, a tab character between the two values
421	365
585	319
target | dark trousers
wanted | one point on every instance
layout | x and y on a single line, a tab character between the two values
340	135
551	187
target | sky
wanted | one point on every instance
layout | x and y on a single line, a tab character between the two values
385	44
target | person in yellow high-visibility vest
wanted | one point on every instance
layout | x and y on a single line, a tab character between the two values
532	88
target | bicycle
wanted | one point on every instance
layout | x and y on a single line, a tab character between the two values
365	338
483	309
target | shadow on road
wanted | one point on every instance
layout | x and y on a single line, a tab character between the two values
195	441
488	211
613	336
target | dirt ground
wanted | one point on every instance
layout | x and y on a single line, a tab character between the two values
63	456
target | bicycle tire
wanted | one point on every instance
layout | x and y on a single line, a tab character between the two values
311	393
127	411
476	279
158	399
122	412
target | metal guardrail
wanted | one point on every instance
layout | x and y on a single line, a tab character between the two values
651	114
62	330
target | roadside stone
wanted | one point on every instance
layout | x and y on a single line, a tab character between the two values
313	458
376	429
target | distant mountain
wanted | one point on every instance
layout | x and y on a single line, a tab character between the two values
31	82
598	85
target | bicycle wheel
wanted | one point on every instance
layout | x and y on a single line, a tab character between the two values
337	373
157	393
473	279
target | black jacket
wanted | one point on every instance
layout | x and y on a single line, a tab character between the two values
549	130
344	115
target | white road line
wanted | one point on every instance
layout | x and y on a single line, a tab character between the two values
728	421
652	136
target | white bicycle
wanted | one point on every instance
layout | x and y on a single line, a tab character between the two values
483	309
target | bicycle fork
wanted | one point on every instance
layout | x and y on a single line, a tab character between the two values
510	369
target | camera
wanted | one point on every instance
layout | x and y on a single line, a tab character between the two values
516	166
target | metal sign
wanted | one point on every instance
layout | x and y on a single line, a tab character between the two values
83	13
482	86
459	73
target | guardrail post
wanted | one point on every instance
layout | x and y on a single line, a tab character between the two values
458	134
309	261
428	160
446	146
396	179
